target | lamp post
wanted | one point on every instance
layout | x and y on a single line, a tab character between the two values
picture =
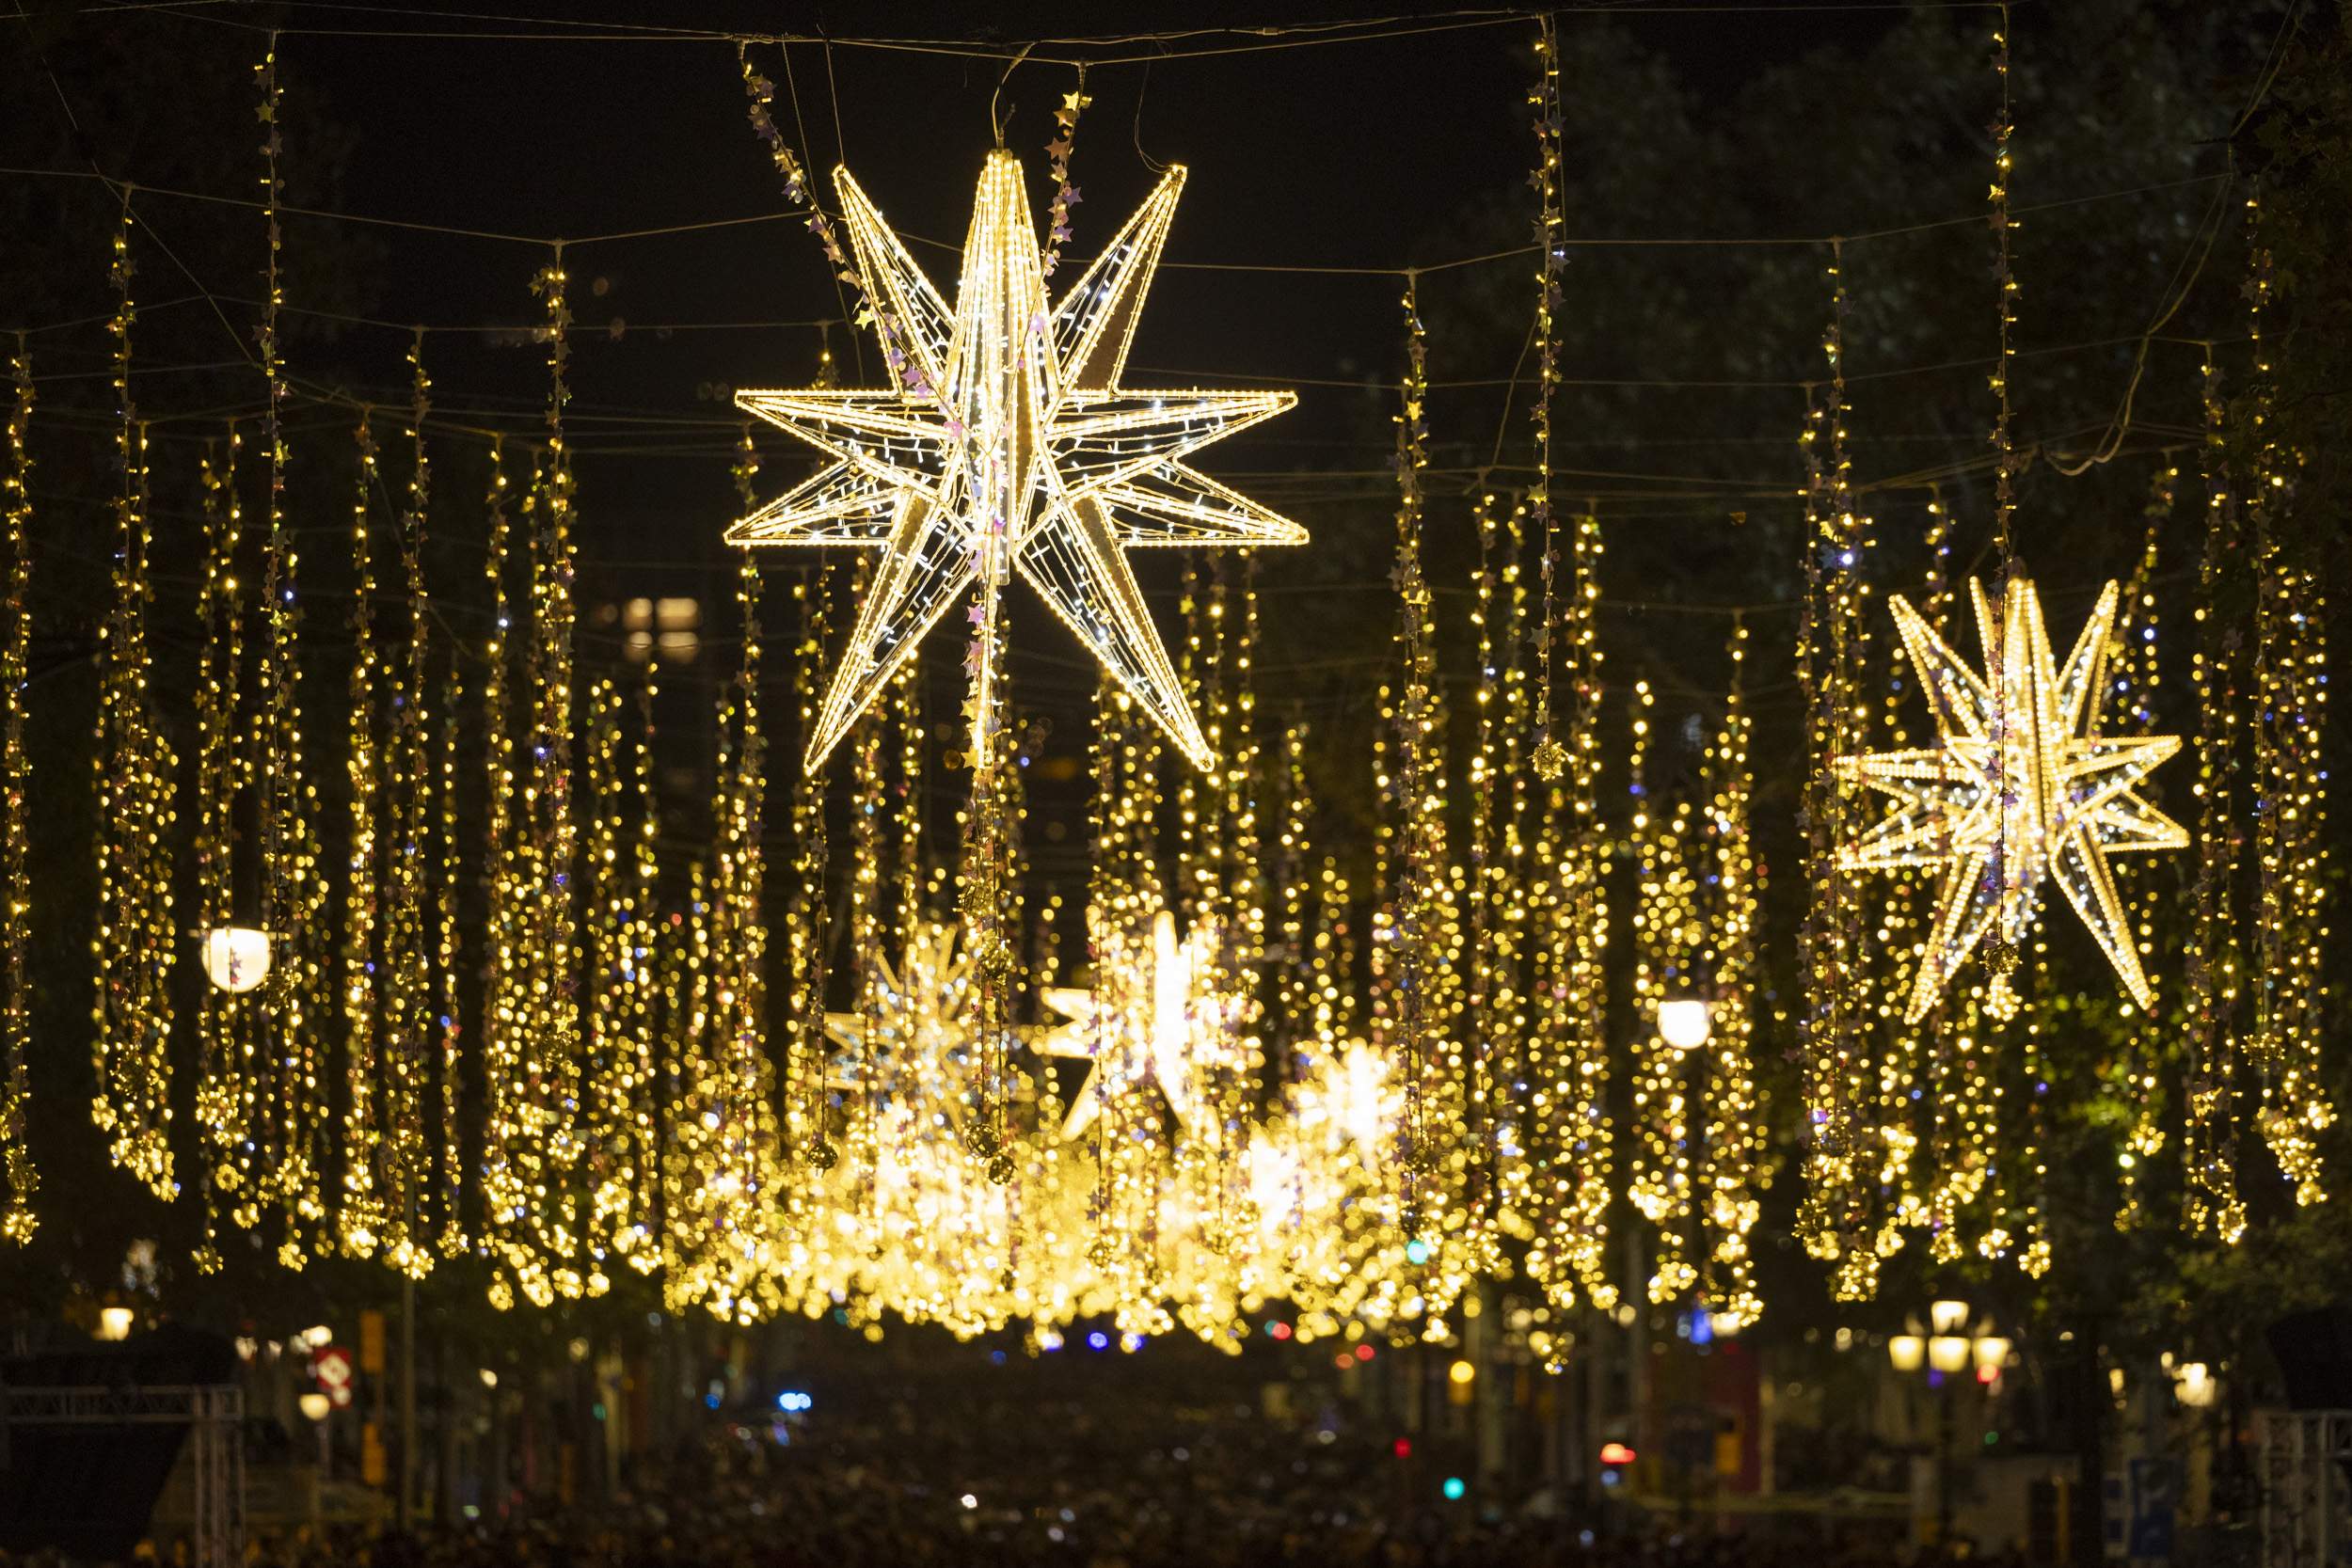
1945	1353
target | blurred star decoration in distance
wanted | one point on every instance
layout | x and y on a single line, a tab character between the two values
1007	445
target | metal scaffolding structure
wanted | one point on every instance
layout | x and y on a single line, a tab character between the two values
2306	1501
214	1417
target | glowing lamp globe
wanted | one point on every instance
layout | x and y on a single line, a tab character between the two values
114	1322
1907	1352
236	958
1949	1352
315	1407
1685	1022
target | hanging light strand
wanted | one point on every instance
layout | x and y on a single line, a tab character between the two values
225	1099
362	1214
1549	758
2211	968
1416	922
2130	699
1833	1215
17	1220
2289	773
450	1021
409	940
1733	1159
299	995
504	979
136	943
552	921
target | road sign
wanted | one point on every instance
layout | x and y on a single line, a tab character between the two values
330	1365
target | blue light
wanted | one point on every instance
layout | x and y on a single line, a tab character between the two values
1454	1489
1416	1251
793	1400
1702	1327
1098	1341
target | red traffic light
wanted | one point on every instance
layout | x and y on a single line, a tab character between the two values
1403	1447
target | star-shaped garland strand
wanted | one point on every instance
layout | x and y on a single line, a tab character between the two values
2018	790
1007	445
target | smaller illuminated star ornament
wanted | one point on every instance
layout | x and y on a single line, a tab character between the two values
1150	1008
2019	790
920	1042
1007	446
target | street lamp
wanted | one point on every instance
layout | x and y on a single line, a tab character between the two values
114	1322
236	958
316	1407
1946	1352
1685	1022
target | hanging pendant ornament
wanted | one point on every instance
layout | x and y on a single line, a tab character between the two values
1007	445
1999	806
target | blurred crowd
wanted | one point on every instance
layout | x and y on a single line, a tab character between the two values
916	1482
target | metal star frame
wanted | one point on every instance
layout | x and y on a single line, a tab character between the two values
1007	445
2019	790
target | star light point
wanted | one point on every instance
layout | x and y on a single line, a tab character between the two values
1007	445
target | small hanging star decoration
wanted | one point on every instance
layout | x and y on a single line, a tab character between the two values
1007	445
2020	789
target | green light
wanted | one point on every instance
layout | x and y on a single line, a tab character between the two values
1416	1251
1454	1489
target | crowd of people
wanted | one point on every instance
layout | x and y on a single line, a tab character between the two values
931	1477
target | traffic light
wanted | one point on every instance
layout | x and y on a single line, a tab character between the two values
1453	1488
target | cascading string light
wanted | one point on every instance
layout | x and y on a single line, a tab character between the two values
2288	770
1733	1157
299	995
136	943
362	1216
226	1106
1658	1165
605	1013
1419	916
550	825
1570	1137
503	980
2213	959
1548	756
2128	697
644	1102
17	1220
1833	1219
411	940
449	1021
1489	1001
805	935
2001	946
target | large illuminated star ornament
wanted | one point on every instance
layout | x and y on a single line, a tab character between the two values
1007	445
1150	1014
2018	790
